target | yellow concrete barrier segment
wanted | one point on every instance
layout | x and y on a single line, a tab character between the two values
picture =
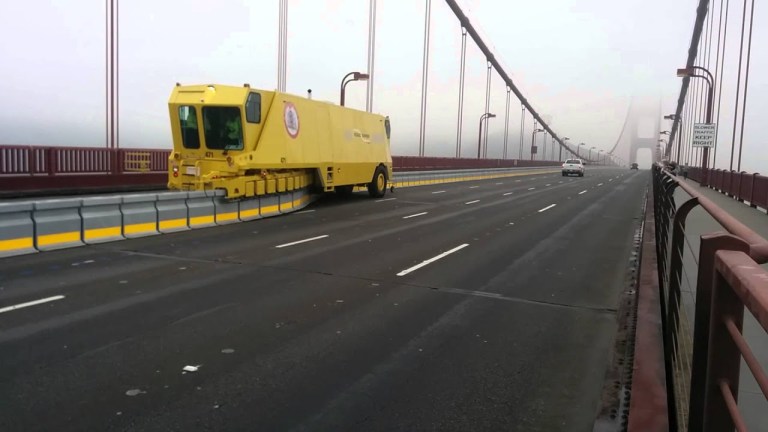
102	219
17	229
269	205
172	212
200	209
412	183
286	202
57	224
139	215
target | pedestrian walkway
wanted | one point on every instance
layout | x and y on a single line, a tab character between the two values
752	402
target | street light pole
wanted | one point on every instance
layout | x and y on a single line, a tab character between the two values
355	76
690	72
565	141
480	131
533	138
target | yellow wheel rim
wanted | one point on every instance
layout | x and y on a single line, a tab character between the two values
380	181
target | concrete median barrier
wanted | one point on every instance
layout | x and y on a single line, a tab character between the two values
17	229
286	202
249	209
58	224
139	215
172	213
201	210
269	206
227	211
102	219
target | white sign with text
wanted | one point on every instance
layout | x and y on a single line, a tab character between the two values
704	134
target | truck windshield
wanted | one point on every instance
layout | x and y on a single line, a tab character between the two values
223	128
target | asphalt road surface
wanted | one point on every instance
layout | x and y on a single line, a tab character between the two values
482	305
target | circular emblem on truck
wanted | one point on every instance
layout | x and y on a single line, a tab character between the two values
291	119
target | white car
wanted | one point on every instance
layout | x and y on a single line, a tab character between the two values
573	166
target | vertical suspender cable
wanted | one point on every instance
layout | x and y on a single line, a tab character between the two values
738	83
487	107
371	55
746	83
718	71
424	78
460	121
506	126
522	133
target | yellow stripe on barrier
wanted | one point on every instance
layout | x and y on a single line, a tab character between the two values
228	216
16	244
299	201
201	220
286	206
249	213
173	223
97	233
270	209
54	239
140	228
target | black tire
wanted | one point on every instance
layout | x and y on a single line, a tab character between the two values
378	185
345	190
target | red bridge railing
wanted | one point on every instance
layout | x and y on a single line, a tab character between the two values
51	161
24	169
703	364
742	186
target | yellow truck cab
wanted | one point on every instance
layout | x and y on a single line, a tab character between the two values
253	142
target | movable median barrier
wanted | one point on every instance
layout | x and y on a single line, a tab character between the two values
17	230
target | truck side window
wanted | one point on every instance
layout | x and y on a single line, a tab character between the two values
253	108
387	127
190	135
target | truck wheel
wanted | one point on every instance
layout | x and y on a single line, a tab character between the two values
378	186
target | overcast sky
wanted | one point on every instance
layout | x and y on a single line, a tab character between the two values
578	61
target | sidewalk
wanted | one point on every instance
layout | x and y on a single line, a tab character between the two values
752	403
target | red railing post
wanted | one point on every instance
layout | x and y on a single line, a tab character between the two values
724	358
50	154
752	191
700	364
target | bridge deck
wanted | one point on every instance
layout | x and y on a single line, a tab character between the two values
374	327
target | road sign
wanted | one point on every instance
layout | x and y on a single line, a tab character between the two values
704	134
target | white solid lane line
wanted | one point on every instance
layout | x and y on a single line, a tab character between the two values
386	199
304	211
437	192
583	192
599	184
431	260
301	241
31	303
547	208
415	215
474	187
472	202
508	193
